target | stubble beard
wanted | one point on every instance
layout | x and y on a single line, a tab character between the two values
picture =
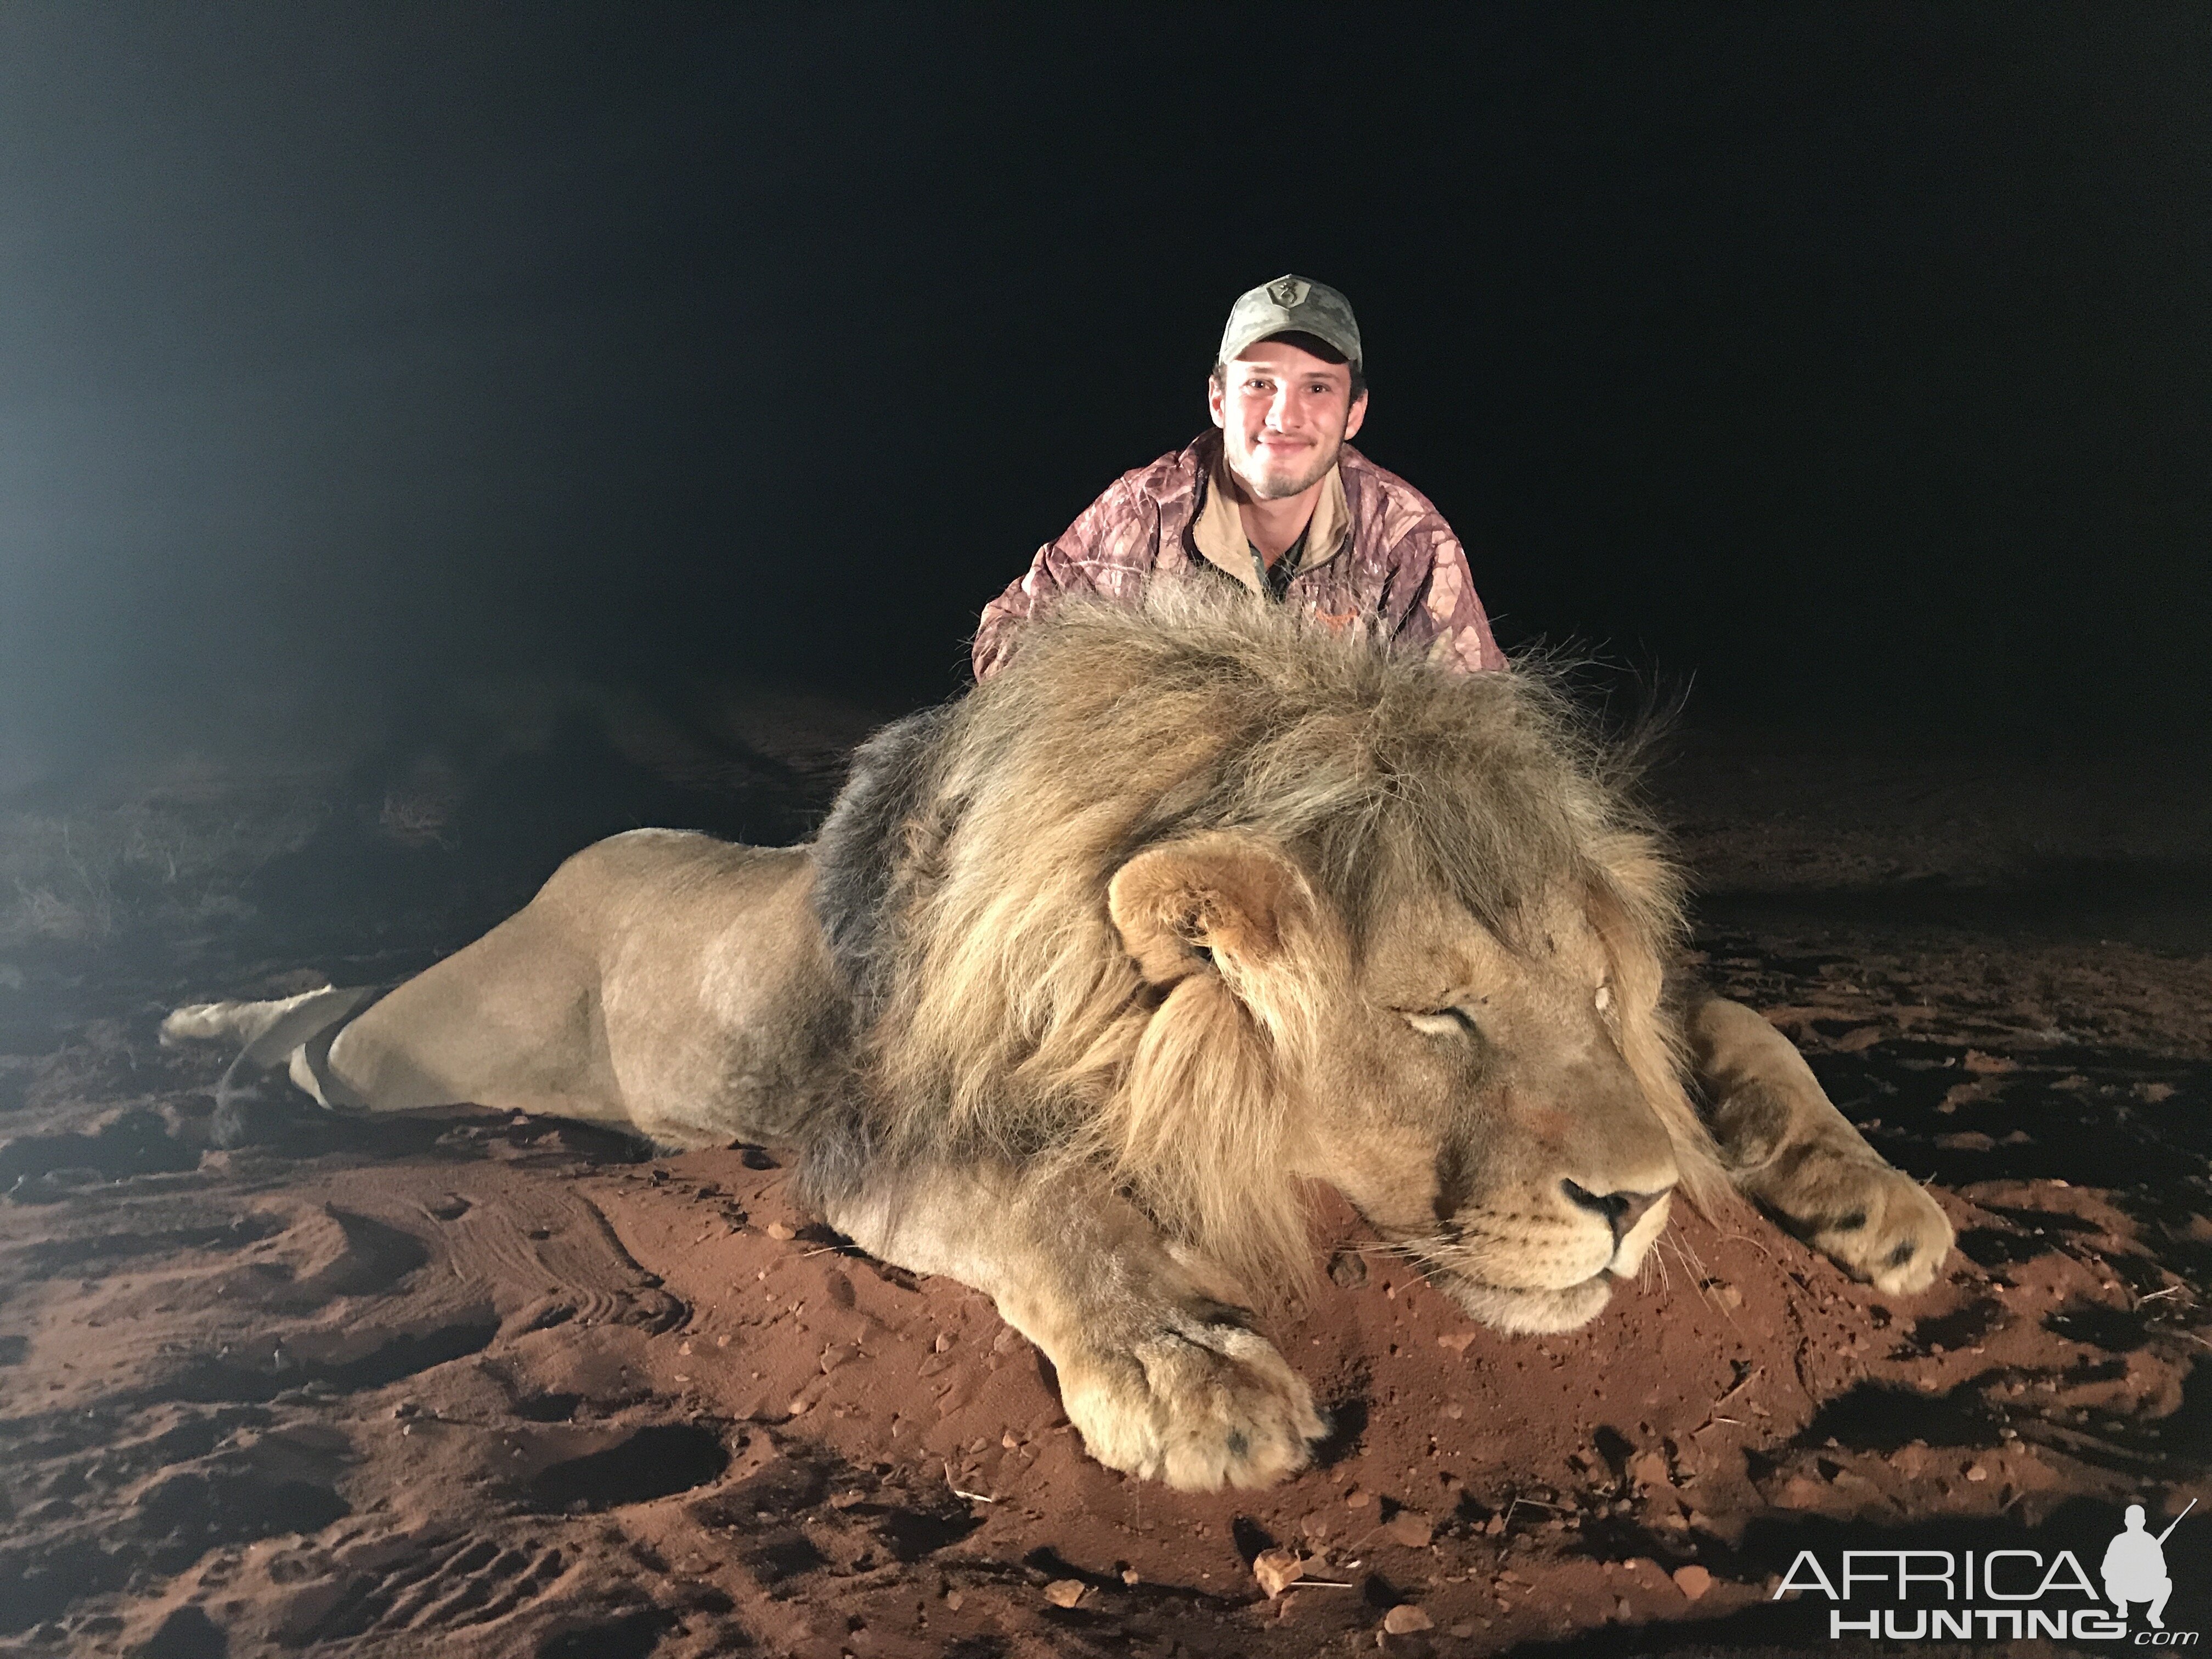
1270	484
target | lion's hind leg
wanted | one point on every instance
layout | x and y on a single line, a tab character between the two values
242	1023
295	1033
1788	1148
1161	1380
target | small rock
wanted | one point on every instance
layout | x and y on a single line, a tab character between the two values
1857	1041
1694	1581
778	1232
1455	1342
1988	1065
1801	1492
1348	1269
838	1353
1357	1498
1131	1576
1463	1630
953	1599
1649	1468
1065	1592
1976	1472
1277	1569
1405	1619
1409	1527
1965	1141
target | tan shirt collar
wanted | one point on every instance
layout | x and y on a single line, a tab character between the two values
1219	531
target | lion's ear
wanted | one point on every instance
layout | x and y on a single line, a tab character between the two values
1229	895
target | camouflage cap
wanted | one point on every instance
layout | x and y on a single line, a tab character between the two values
1291	304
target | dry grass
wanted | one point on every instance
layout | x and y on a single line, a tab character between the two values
86	877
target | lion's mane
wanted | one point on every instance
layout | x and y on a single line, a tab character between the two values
963	883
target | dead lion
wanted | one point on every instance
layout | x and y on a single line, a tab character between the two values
1089	972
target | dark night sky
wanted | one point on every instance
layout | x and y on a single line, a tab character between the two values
1853	360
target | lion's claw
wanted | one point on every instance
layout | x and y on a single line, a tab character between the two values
1196	1402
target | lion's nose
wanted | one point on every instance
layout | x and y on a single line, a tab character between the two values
1621	1211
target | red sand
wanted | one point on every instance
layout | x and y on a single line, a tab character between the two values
651	1401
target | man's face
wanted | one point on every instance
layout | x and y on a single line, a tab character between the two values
1283	414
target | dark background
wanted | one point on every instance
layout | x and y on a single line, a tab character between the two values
1850	362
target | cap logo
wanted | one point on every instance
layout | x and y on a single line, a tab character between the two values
1289	292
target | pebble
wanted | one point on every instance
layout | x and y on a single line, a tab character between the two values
1409	1527
1405	1619
778	1232
1277	1569
1694	1581
1065	1592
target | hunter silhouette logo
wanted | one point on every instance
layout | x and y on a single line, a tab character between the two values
2134	1566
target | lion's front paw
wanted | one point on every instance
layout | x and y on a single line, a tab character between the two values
1877	1223
1196	1401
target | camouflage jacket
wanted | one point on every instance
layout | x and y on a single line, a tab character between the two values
1376	555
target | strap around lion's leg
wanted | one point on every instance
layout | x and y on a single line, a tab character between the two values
1161	1380
298	1040
1787	1147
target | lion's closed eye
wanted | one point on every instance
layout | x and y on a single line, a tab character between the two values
1442	1021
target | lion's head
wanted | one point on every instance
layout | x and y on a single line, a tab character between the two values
1225	904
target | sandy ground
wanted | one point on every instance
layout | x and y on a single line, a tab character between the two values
470	1385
